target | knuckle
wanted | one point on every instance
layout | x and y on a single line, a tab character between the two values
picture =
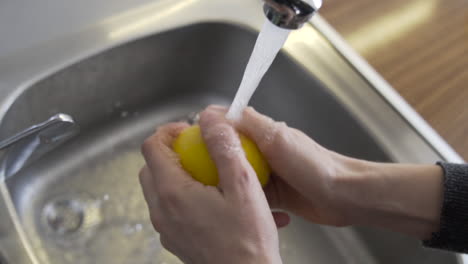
249	109
213	106
223	142
141	175
218	132
282	134
169	198
278	137
155	221
147	146
165	242
282	128
245	176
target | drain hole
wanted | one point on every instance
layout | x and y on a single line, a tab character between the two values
64	216
71	219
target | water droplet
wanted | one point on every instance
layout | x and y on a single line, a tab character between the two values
138	227
130	229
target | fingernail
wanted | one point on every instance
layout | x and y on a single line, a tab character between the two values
209	111
217	108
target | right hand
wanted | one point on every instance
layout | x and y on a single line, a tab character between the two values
304	173
229	223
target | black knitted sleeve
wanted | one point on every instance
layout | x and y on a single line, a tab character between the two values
453	232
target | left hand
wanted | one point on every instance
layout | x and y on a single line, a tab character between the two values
230	223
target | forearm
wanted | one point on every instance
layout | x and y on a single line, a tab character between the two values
271	258
254	255
398	197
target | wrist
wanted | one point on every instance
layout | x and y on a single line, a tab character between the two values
400	197
350	188
269	257
248	253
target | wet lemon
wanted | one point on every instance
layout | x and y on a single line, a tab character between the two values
196	160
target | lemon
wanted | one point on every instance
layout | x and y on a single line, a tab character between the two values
196	160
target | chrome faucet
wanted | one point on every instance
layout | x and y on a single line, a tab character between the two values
290	14
33	142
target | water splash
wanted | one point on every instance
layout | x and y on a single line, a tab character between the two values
269	42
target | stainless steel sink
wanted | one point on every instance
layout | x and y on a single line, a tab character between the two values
82	203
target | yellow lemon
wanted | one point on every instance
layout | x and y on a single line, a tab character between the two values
196	160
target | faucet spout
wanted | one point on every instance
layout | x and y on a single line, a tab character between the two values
33	142
290	14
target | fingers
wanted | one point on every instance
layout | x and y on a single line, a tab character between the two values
260	128
161	160
282	219
226	151
264	131
147	185
272	192
165	242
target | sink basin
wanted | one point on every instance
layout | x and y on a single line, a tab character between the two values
82	202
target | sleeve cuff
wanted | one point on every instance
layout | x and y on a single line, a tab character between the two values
453	232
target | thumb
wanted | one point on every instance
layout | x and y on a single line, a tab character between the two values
234	171
263	130
260	128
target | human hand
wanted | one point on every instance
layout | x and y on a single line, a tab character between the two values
304	173
230	223
328	188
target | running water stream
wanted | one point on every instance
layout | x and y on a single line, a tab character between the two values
269	42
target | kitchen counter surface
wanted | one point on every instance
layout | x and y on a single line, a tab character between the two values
421	48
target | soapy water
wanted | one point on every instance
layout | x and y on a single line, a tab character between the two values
269	42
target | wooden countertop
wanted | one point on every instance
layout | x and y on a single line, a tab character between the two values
421	48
